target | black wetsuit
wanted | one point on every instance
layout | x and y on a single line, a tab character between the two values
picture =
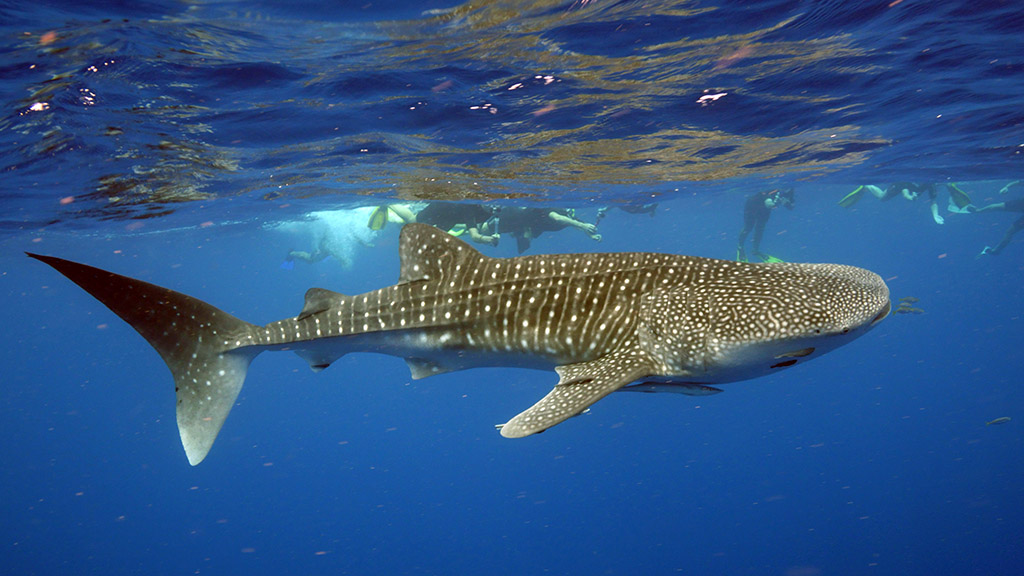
528	223
755	216
1015	205
533	221
446	215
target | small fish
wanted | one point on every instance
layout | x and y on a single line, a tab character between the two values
909	299
1001	420
907	310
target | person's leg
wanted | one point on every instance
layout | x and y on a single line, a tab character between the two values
742	238
320	254
1017	226
403	212
875	191
748	225
990	207
306	256
758	234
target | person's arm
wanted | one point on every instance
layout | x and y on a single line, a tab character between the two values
588	229
935	213
476	236
561	218
1006	188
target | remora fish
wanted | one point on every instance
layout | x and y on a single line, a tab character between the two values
602	321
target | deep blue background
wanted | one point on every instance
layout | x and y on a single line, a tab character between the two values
874	459
875	455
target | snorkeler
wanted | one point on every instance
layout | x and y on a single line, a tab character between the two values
453	217
1015	205
321	253
648	209
525	224
457	219
756	211
338	247
911	191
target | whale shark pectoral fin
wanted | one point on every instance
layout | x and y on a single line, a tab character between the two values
580	385
422	368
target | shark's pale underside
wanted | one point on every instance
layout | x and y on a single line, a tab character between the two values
604	322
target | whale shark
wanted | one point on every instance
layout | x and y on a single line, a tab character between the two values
632	321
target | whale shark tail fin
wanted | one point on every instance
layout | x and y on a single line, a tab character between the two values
207	350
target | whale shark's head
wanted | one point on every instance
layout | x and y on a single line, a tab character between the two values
780	315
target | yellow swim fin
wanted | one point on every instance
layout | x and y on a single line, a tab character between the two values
378	219
959	197
852	198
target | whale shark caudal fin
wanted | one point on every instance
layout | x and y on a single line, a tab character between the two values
207	350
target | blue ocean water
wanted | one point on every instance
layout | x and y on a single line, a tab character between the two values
193	144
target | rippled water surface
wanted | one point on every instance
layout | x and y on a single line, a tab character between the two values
131	109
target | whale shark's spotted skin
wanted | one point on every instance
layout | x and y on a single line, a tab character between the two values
653	322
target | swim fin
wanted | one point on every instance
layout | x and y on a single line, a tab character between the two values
741	255
378	219
958	196
768	258
852	198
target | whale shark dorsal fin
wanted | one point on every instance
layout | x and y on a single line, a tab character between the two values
579	386
428	253
319	300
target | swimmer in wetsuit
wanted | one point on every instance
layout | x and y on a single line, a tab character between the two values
756	211
456	219
525	224
911	191
1015	205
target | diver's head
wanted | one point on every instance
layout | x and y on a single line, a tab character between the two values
780	197
785	198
